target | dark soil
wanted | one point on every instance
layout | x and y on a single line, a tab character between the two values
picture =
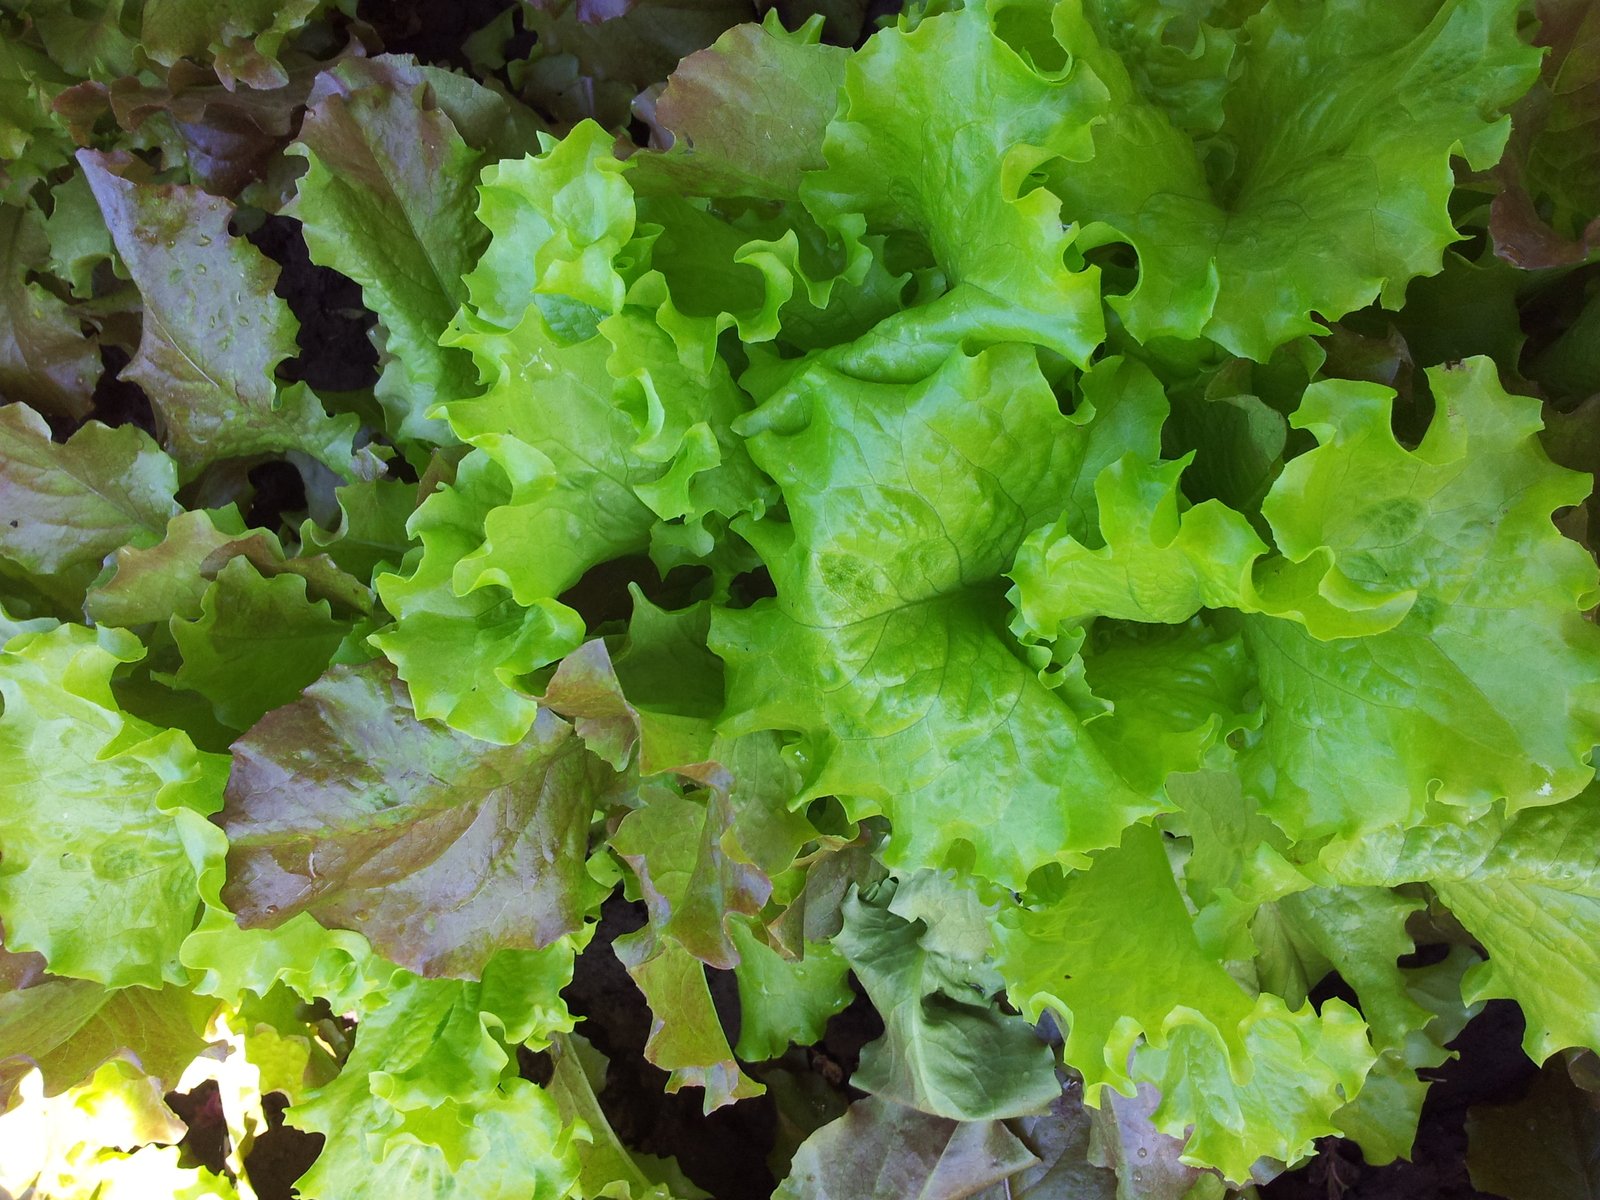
277	1157
428	29
724	1153
335	353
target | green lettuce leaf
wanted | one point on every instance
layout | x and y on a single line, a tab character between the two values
32	141
257	641
1514	883
607	1168
70	505
430	1091
594	429
1116	956
104	829
1313	196
939	131
66	1028
465	654
1360	932
371	532
905	502
947	1049
1556	1116
783	1001
522	1152
174	577
1480	691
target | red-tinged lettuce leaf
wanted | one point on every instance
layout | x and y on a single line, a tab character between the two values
1521	890
256	642
1141	1161
389	199
692	887
45	358
655	708
213	330
1314	197
69	505
939	128
881	1151
68	1027
905	503
746	116
1116	955
440	849
947	1048
1547	213
103	830
1061	1138
1546	1146
686	1038
19	969
227	137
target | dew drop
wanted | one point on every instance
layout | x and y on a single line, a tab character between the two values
1143	1153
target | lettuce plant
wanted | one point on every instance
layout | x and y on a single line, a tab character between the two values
948	514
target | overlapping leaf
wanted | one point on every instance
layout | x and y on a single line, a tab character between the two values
1453	539
905	503
104	831
1310	197
1239	1076
213	331
439	849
